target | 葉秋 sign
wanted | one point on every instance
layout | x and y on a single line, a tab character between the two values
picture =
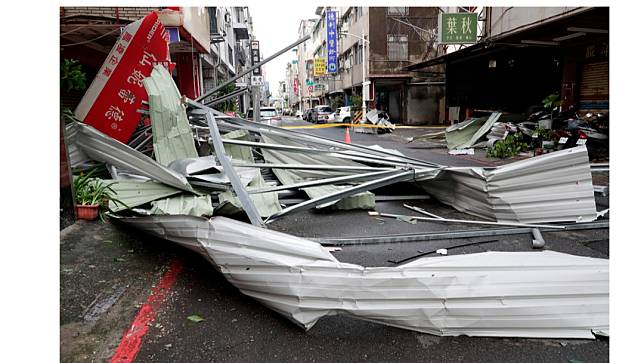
111	102
457	28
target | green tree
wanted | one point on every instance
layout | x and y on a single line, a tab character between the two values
336	101
72	78
356	103
229	105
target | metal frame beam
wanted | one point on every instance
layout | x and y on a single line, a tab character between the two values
300	149
301	136
238	187
243	73
311	167
446	235
432	219
325	181
403	175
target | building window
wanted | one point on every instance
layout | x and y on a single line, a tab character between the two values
358	11
397	48
230	54
398	11
359	54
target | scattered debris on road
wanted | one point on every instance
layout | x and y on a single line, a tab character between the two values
249	170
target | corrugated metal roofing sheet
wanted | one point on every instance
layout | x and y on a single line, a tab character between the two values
135	193
172	136
267	204
103	148
364	200
521	294
467	133
556	187
189	205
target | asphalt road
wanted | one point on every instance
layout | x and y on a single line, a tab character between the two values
108	270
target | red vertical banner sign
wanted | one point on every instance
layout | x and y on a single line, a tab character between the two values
111	101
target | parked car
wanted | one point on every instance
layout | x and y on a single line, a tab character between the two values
265	114
307	115
299	114
322	114
342	114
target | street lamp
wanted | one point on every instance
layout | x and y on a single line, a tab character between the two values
365	84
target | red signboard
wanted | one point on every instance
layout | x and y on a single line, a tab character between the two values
296	86
111	101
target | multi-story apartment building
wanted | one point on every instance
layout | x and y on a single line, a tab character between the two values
304	71
395	37
231	30
291	89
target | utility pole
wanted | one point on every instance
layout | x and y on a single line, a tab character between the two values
365	92
256	104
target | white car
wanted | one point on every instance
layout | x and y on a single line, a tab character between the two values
265	114
298	114
342	115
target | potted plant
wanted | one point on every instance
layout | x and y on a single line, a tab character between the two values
92	196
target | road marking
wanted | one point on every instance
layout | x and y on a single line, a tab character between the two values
131	342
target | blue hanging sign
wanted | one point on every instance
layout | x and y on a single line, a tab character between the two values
331	42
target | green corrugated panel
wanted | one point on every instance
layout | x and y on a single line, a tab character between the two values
267	204
482	130
135	193
364	200
460	133
171	133
238	152
184	204
465	134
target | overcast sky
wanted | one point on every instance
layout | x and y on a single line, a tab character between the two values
275	27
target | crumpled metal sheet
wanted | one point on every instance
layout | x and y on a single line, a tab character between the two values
198	165
461	132
172	136
465	134
101	147
267	204
519	294
372	117
364	200
136	193
555	187
189	205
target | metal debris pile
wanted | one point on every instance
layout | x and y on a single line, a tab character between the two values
203	165
541	132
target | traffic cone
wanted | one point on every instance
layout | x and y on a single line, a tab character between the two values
347	136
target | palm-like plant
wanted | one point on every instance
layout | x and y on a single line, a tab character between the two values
91	191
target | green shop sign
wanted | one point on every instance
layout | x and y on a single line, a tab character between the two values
457	28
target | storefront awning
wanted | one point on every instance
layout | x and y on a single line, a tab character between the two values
578	27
